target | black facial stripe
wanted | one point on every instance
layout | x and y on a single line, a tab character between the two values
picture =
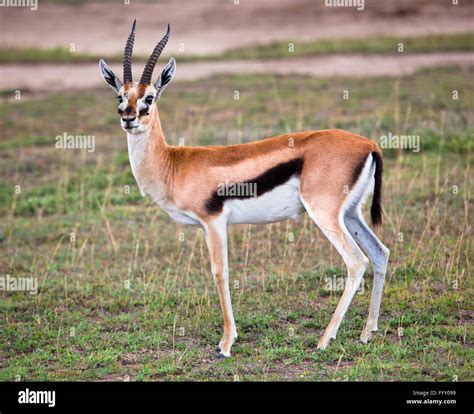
265	182
144	111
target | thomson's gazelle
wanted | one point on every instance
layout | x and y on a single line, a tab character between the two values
329	174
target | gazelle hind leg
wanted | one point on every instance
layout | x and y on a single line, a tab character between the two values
216	238
378	255
335	230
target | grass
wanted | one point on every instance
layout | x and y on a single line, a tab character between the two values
276	50
129	295
374	45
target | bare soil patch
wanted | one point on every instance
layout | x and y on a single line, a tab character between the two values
213	26
56	77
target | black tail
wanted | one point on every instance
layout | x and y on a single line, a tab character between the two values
376	208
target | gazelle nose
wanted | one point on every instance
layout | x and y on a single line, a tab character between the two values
131	119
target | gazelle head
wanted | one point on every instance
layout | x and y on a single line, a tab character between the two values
136	100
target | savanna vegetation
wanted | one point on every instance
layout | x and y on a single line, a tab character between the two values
125	293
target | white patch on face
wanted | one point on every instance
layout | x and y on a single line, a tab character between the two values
124	103
141	105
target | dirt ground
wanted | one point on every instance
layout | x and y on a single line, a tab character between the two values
48	77
212	26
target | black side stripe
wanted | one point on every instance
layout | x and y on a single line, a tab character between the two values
265	182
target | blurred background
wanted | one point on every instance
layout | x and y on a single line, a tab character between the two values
126	294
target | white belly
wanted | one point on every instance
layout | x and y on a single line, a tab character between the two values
282	203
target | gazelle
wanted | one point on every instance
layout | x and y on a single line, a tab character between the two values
329	174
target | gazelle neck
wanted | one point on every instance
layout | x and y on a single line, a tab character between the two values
153	135
149	159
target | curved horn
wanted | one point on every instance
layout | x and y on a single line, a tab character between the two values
127	55
150	65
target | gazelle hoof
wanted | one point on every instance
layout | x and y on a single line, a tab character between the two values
324	342
220	355
366	335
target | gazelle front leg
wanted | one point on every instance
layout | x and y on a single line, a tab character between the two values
216	238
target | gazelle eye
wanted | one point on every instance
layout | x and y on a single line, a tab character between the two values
120	99
149	99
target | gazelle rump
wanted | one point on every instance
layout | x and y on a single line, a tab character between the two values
329	174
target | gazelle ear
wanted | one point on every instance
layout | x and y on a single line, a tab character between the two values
109	77
165	77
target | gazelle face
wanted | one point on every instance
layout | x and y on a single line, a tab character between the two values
135	105
136	100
